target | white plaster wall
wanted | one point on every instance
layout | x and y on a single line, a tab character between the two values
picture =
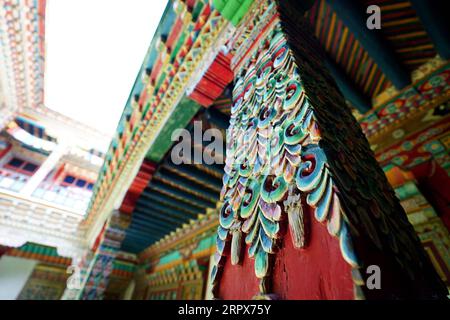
14	273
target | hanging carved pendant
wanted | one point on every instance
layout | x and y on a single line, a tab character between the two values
294	212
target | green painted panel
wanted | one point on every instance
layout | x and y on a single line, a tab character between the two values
39	249
219	4
145	110
178	45
240	13
232	10
173	256
161	79
134	132
196	12
407	190
179	119
206	243
121	265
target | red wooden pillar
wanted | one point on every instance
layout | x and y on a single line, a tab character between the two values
306	208
434	182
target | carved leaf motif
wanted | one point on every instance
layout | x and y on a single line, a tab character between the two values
294	210
273	156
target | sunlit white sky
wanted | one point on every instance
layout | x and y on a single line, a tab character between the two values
94	49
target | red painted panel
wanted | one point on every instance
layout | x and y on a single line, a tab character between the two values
137	186
143	98
155	70
238	282
174	33
317	272
216	78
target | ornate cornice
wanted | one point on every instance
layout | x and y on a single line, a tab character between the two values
424	94
23	53
117	175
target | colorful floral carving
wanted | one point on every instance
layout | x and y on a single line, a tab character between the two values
273	156
292	142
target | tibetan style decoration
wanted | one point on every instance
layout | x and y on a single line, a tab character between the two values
273	156
292	143
98	276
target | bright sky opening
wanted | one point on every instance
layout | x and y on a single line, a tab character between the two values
94	49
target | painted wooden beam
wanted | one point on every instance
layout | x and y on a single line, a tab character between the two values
348	87
213	82
135	244
355	17
164	209
149	230
135	250
157	214
186	184
215	167
156	185
142	214
154	224
131	246
138	185
179	119
434	17
145	235
140	240
195	173
151	225
171	202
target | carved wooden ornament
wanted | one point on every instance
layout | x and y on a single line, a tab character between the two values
292	142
